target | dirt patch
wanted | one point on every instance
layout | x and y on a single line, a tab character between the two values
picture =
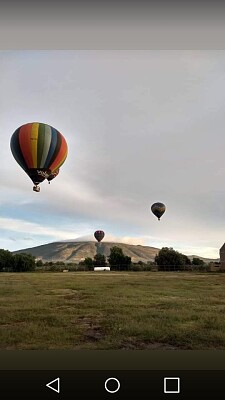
92	329
13	324
94	334
63	292
135	344
72	295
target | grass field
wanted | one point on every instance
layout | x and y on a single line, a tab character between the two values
144	310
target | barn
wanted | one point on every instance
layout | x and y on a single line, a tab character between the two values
222	257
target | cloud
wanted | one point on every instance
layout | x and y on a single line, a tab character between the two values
112	238
13	239
125	239
207	252
141	127
21	226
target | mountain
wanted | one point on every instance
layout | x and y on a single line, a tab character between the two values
206	260
75	251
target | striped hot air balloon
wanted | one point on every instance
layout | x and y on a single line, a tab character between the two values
39	149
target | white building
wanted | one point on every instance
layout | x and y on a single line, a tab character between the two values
102	269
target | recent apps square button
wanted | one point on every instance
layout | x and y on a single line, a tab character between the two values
172	385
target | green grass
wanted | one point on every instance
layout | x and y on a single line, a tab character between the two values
144	310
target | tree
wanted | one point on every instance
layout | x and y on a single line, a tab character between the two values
6	260
199	265
170	260
99	260
39	263
23	262
117	259
187	260
88	263
197	261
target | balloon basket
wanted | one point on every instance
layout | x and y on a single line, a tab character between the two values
36	189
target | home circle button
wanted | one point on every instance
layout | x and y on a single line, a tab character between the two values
112	385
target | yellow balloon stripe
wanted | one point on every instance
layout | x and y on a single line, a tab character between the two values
34	140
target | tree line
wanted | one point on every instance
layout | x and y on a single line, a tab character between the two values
21	262
167	260
117	261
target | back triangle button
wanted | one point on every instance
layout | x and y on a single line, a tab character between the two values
54	385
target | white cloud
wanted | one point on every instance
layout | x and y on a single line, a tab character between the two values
207	252
125	239
141	127
112	238
21	226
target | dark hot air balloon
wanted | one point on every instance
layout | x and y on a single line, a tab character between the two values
39	149
53	175
99	235
158	209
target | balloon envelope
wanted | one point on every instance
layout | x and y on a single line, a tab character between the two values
39	149
158	209
99	235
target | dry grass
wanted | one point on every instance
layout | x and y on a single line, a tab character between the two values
144	310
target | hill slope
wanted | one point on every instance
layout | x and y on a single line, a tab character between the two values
78	251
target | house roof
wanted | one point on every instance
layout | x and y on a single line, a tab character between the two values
222	249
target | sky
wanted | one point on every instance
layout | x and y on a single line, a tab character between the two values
141	127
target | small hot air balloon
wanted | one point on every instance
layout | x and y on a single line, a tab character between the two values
158	209
53	175
99	235
39	149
